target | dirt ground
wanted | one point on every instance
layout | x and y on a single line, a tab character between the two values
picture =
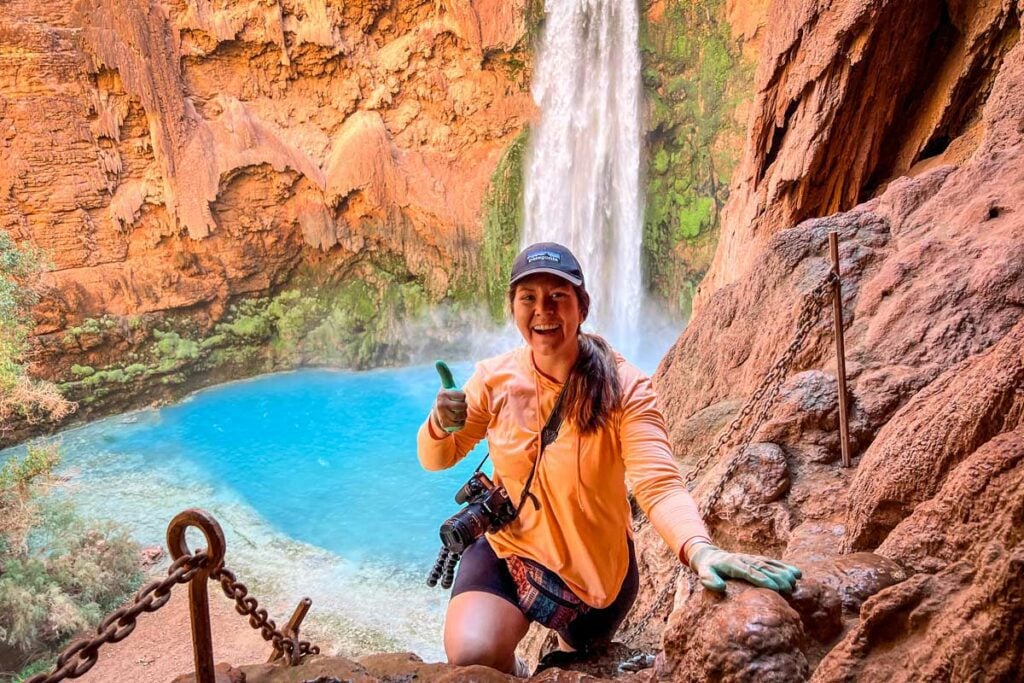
160	648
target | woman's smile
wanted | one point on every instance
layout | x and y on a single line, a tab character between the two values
547	314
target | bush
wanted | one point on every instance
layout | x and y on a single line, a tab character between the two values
59	573
21	398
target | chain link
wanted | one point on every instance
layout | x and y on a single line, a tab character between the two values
762	399
292	648
81	655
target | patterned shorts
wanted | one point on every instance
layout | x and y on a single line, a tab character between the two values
482	570
543	597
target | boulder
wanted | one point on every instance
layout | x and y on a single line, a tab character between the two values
750	634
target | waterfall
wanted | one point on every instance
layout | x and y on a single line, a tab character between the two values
582	181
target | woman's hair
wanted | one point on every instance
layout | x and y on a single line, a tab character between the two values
593	391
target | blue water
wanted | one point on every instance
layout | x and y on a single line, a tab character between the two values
314	477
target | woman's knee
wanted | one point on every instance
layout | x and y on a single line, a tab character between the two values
467	649
481	628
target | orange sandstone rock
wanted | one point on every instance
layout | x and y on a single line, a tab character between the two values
170	157
933	294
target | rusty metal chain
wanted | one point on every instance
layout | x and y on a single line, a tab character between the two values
763	397
292	648
82	654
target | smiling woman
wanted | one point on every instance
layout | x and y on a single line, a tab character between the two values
547	314
568	422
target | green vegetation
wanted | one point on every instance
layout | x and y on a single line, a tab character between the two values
17	267
533	17
21	398
172	351
59	574
345	323
351	323
694	79
89	326
503	223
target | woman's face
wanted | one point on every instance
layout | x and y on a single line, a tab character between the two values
547	314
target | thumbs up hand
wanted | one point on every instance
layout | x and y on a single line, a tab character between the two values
449	411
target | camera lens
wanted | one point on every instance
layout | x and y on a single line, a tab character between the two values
464	527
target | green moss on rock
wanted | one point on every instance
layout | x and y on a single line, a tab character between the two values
503	223
82	370
694	78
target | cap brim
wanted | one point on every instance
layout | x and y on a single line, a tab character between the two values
550	271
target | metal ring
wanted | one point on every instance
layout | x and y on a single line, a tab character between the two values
204	521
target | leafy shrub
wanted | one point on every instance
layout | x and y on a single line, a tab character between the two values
59	573
21	398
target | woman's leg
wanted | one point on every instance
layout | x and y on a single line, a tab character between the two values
482	628
597	626
484	623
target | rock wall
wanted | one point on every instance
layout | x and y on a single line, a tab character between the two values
920	541
176	158
820	138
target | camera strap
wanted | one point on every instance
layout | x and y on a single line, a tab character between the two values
444	566
547	435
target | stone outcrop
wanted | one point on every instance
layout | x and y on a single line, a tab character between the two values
391	668
929	186
959	617
820	140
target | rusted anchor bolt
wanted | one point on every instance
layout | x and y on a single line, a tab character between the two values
198	604
204	521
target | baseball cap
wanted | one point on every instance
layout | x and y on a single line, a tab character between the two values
547	257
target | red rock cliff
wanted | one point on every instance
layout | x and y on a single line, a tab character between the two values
172	156
901	127
848	98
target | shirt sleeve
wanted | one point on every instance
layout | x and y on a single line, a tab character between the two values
652	471
439	450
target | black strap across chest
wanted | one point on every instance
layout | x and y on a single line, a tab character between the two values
547	436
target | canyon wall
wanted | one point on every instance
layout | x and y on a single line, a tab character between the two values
899	126
227	187
223	189
822	137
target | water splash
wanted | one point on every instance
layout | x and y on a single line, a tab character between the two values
582	185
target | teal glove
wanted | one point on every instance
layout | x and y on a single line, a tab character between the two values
450	407
447	378
712	565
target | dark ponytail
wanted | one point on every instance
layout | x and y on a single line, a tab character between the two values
593	392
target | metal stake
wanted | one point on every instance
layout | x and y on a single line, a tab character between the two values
292	628
198	605
837	315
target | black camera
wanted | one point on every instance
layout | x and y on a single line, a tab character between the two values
488	508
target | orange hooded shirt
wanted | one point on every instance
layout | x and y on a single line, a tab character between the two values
580	531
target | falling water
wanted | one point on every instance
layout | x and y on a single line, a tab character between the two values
582	185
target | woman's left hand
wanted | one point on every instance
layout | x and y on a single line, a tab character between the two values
712	565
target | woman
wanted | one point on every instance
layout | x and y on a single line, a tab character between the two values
567	559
